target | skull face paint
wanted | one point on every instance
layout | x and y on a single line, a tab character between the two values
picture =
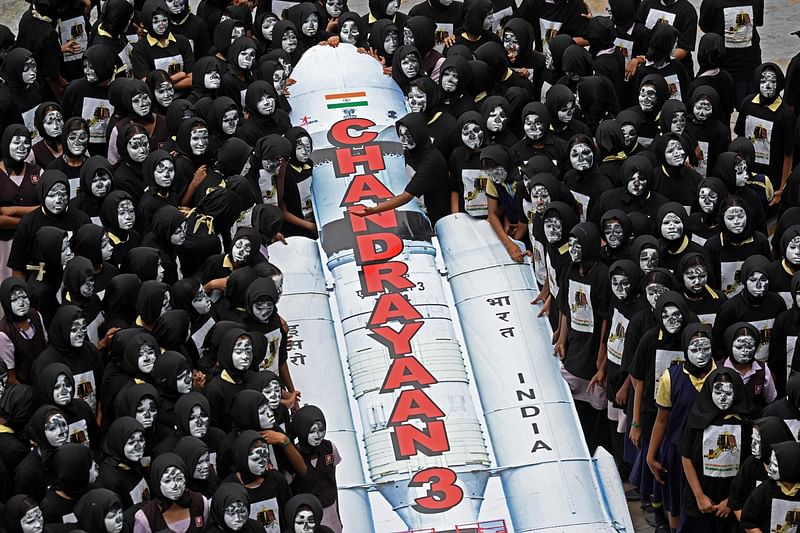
757	284
101	184
735	219
391	42
198	140
722	395
164	94
198	422
575	250
741	173
141	104
267	25
89	72
77	332
263	309
678	123
620	286
203	467
53	123
743	349
164	173
246	58
553	229
66	251
496	119
87	287
160	24
212	80
768	84
146	412
792	254
540	197
310	25
179	236
334	8
671	319
77	142
648	98
113	520
242	354
20	302
392	6
106	247
19	147
510	43
653	292
126	214
175	6
699	351
240	251
230	121
258	458
406	139
702	109
304	521
266	418
581	157
265	105
63	390
674	154
417	99
302	150
566	112
29	71
134	447
533	127
289	41
349	32
32	521
613	232
707	199
57	198
449	80
630	134
236	515
636	184
317	433
138	147
147	358
201	303
172	483
410	66
56	430
671	227
695	278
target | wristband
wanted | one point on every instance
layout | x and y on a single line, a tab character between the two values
636	425
285	443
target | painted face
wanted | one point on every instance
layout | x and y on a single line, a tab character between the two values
56	430
179	237
678	123
279	78
19	147
267	25
32	521
201	302
510	43
614	232
273	393
741	173
488	22
271	166
674	154
89	72
230	121
391	41
533	127
416	99
637	184
164	173
317	433
203	467
164	94
101	184
392	6
620	286
20	303
212	80
406	139
29	71
743	349
302	151
184	381
242	353
141	104
87	287
246	58
768	85
263	309
699	351
240	251
334	8
735	219
53	123
695	278
672	227
310	25
66	251
77	141
258	458
147	358
304	521
63	390
757	284
707	199
702	109
647	98
630	135
496	119
134	447
722	395
773	471
581	157
266	418
408	36
176	6
552	229
671	319
77	332
449	80
653	292
793	251
138	147
126	214
106	247
540	197
566	112
410	66
57	198
575	250
265	105
236	515
349	32
289	41
160	24
198	140
160	273
146	412
198	422
113	521
496	173
755	443
172	483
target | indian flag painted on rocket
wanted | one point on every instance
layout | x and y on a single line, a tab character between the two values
341	100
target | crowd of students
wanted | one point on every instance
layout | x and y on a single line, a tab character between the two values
147	161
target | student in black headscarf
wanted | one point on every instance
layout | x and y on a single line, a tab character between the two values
22	331
118	217
285	37
305	16
93	243
161	49
561	104
617	229
582	177
206	79
100	510
73	472
672	230
78	288
75	142
133	354
133	146
19	92
295	199
167	234
56	386
96	182
695	280
189	295
49	123
261	301
230	511
201	475
384	10
192	414
51	250
235	357
158	171
495	111
121	470
704	125
653	91
22	509
47	430
241	62
262	113
704	222
160	85
674	179
453	83
538	137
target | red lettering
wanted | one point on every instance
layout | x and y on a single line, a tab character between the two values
389	276
373	247
407	371
339	133
392	306
366	187
414	403
387	219
347	159
408	440
443	493
397	342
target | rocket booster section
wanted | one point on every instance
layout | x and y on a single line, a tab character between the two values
317	368
550	481
423	441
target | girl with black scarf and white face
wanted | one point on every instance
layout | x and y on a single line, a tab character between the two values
49	123
131	359
735	172
134	147
262	113
557	220
22	514
47	430
582	177
100	510
296	200
241	63
694	279
230	511
235	357
617	230
496	121
74	471
75	141
704	124
201	476
652	92
79	289
262	317
305	16
22	333
118	215
51	250
158	171
189	295
160	85
96	182
467	187
704	223
167	234
20	93
742	340
142	402
192	418
563	110
122	470
538	138
672	229
56	386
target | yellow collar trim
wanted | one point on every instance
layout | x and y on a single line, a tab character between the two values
227	263
435	117
786	267
152	41
619	156
5	429
773	106
116	240
227	377
103	32
791	490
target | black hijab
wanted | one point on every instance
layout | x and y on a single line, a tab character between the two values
704	412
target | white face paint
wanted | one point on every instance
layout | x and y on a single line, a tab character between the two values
566	112
203	467
636	184
699	351
265	105
160	24
416	99
302	149
540	197
176	6
722	395
230	121
349	33
510	43
212	80
77	332
334	8
653	292
258	459
147	358
702	109
19	147
266	418
391	42
53	123
630	135
755	443
392	6
263	309
236	515
310	25
141	104
581	157
410	66
735	219
768	85
165	303
279	78
32	521
552	229
648	98
138	147
106	247
126	214
89	72
488	22
242	354
773	471
449	80
671	319
57	198
317	433
496	120
134	447
406	139
533	127
172	483
146	412
29	71
707	199
164	93
20	302
267	25
304	521
160	271
63	390
246	58
164	173
614	233
113	521
87	287
273	394
741	173
620	286
757	284
695	278
56	430
743	349
77	142
793	251
496	173
198	422
198	140
236	32
289	41
674	154
240	251
184	381
672	227
66	251
179	236
575	250
408	36
678	123
201	302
